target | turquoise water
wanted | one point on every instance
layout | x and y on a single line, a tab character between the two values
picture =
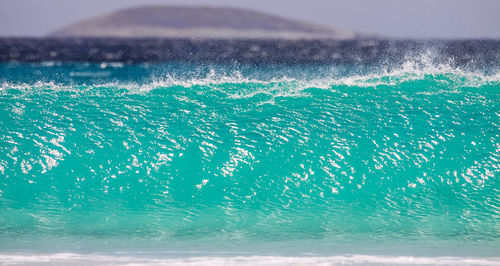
259	159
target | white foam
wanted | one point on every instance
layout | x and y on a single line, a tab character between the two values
94	259
415	69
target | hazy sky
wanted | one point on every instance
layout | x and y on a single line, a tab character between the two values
391	18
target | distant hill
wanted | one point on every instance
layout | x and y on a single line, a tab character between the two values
197	22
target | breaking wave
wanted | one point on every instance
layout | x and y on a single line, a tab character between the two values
409	153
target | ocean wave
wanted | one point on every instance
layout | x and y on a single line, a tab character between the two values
407	153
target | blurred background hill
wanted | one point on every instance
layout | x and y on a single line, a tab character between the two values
197	22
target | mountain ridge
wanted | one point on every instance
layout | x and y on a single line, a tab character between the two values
198	23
